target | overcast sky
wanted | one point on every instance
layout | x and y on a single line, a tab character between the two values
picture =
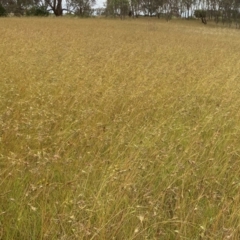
99	3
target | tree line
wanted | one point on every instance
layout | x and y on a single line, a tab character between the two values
224	11
46	7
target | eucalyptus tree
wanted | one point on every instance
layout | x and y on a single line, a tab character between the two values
188	7
215	11
118	8
111	8
236	13
56	6
175	8
227	7
17	7
149	7
81	7
135	7
124	8
3	11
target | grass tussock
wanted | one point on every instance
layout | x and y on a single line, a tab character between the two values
118	130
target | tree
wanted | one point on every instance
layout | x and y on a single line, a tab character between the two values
117	8
37	11
81	7
150	7
56	7
3	12
19	7
201	14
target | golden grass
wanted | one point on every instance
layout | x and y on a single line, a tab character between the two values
116	129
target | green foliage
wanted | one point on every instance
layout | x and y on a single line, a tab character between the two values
3	12
200	13
37	11
85	13
118	8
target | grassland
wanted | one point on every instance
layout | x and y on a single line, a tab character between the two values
116	129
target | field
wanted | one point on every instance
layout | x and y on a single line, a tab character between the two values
115	129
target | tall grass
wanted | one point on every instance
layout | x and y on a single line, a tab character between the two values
118	130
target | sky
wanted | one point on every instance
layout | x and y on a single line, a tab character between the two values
99	3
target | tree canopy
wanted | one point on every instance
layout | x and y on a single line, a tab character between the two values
44	7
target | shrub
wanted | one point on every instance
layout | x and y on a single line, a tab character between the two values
200	13
3	12
37	11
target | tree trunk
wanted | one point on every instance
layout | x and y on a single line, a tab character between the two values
56	7
58	10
